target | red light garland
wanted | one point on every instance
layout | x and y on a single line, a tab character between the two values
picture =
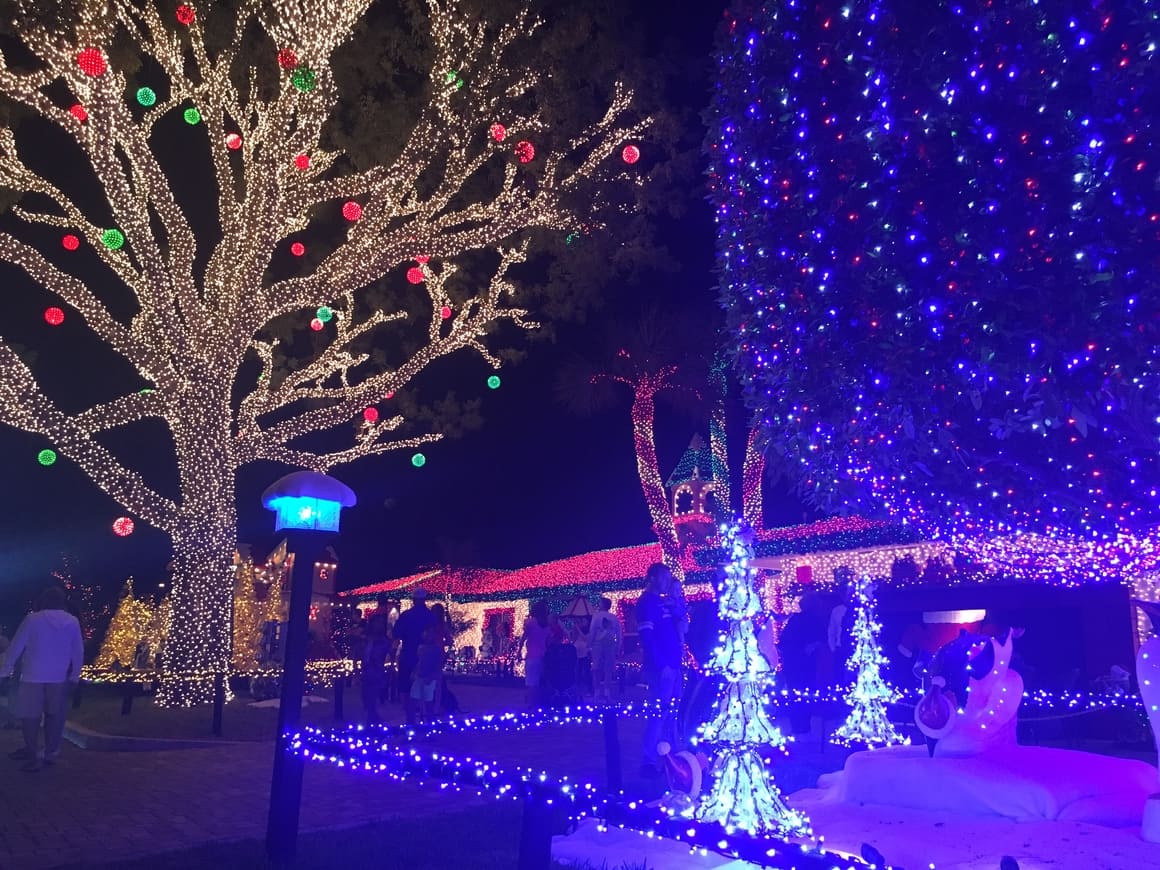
122	527
53	316
185	14
630	154
525	151
70	242
351	210
415	275
498	131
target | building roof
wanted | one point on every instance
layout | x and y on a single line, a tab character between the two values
623	567
698	456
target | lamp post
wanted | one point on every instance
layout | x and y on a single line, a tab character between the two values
307	506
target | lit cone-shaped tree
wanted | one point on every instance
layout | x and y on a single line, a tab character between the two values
205	288
867	723
743	794
129	626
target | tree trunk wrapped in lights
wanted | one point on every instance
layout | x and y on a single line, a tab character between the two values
205	331
743	794
867	723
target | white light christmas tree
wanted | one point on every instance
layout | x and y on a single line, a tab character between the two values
867	723
743	794
202	332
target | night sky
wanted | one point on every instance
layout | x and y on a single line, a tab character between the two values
535	483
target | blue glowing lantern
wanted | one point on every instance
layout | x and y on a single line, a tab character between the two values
307	500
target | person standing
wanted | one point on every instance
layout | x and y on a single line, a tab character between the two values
534	642
425	686
661	619
49	646
376	650
605	642
409	628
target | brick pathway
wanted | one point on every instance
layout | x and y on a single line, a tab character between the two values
101	806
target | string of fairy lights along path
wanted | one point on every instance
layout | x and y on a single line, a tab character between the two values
193	333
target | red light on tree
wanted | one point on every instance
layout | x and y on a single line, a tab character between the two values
122	527
302	161
498	131
79	112
525	151
630	154
445	312
53	316
415	275
185	14
371	414
298	249
287	58
70	242
316	325
91	61
351	210
233	141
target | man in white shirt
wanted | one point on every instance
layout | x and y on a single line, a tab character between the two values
50	648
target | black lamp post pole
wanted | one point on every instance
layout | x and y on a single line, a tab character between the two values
286	784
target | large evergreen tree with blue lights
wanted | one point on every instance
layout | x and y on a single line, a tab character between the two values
938	239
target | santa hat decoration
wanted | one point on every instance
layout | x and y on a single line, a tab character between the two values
682	769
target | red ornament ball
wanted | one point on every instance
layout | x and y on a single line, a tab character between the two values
445	312
185	14
91	61
422	258
525	151
498	131
53	316
316	325
79	112
630	154
70	242
351	210
302	161
287	59
122	527
415	275
390	395
371	414
298	249
233	141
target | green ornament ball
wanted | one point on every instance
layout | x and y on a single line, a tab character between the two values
324	313
191	115
146	96
493	382
46	457
418	460
303	78
113	239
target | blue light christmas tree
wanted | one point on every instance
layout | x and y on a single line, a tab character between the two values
743	795
938	238
867	723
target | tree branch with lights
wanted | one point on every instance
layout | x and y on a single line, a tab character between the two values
247	90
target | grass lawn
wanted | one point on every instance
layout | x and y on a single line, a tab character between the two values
100	710
485	838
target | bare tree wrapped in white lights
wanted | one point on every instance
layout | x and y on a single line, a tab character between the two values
743	794
201	314
867	723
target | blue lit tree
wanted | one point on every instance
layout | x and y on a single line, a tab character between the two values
938	240
743	794
867	722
